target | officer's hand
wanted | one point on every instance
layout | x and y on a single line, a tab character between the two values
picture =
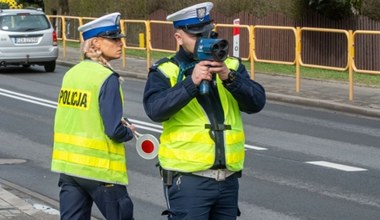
201	72
220	68
127	124
132	127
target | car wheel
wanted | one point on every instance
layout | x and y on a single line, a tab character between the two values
49	66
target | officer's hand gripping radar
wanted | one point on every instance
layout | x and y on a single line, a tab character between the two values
210	48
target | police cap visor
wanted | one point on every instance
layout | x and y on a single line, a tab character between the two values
114	34
198	28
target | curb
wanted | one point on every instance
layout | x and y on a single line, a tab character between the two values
330	105
24	206
26	191
26	209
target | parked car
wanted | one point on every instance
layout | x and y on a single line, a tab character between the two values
27	38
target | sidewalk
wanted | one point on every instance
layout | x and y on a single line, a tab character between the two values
20	206
316	93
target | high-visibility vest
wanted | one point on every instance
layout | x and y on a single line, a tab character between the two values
81	147
185	143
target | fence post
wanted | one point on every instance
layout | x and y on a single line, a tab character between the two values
141	40
298	57
351	55
252	50
64	36
148	44
123	56
236	38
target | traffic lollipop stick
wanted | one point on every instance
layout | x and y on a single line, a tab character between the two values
146	144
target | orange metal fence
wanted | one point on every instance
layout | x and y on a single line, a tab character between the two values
251	44
61	25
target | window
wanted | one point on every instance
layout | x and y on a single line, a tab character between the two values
24	22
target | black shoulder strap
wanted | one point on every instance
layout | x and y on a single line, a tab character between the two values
161	61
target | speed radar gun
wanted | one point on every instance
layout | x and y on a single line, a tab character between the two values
210	49
196	21
146	144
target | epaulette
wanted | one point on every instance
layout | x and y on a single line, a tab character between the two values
238	58
161	61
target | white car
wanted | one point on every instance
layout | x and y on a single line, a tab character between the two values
27	38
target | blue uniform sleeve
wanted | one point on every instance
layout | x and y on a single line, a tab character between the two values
111	110
249	94
161	100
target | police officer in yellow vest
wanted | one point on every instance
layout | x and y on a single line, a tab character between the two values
88	148
201	153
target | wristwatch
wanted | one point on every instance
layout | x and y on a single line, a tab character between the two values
231	78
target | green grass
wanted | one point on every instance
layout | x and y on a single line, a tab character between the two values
266	68
69	44
317	73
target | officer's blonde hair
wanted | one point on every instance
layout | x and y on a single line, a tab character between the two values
89	51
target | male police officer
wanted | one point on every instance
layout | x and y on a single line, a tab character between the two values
201	154
88	149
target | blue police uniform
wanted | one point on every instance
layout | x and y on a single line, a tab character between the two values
191	196
78	194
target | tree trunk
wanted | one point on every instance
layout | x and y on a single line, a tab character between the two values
63	7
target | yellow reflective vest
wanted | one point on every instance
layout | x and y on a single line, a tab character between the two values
186	145
81	147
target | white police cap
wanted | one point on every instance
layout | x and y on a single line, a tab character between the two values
107	26
194	19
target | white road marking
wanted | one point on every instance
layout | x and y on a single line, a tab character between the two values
139	124
255	147
145	123
336	166
11	161
25	96
47	209
147	126
158	128
29	99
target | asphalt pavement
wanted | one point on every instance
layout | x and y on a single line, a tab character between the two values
19	203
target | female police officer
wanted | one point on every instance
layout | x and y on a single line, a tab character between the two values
88	133
201	152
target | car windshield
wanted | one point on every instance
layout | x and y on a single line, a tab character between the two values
23	22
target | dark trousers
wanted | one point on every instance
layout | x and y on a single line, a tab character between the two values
193	197
77	196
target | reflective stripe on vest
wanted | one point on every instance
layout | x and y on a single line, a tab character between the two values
81	148
190	148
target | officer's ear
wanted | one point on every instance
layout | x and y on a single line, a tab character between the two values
96	42
178	36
